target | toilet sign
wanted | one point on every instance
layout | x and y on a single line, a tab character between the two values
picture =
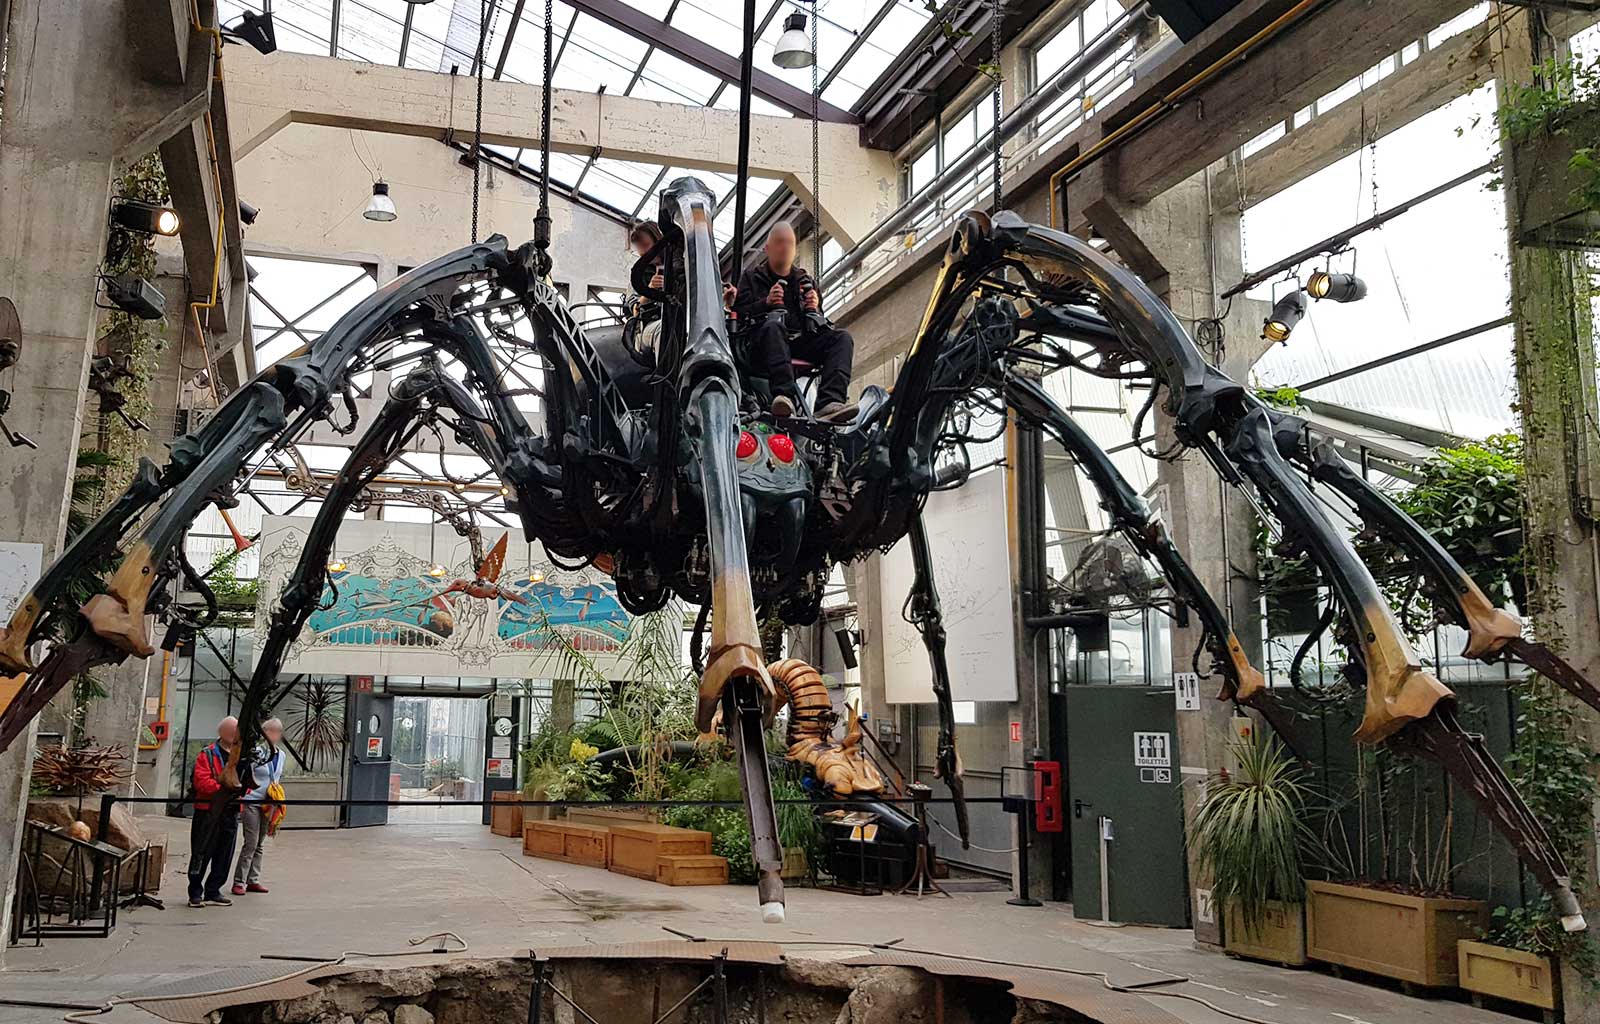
1186	691
1152	750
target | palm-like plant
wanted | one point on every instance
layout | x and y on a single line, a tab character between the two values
1249	831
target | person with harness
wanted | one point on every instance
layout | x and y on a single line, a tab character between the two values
256	809
781	309
214	829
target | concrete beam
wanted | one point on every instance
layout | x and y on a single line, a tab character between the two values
267	94
1310	57
1456	67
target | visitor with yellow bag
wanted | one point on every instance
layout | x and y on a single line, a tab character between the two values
261	809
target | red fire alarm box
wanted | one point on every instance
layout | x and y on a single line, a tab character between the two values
159	731
1047	803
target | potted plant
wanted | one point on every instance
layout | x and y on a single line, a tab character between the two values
1517	957
1386	906
1248	832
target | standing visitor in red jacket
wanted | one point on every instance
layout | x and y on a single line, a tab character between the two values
215	827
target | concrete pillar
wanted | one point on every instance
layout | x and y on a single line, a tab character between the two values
1187	256
1554	354
68	125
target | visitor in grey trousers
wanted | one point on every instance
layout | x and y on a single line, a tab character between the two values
253	843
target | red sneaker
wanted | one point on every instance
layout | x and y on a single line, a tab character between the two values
238	890
253	887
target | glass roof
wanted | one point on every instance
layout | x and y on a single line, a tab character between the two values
856	41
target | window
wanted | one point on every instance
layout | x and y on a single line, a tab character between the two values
605	305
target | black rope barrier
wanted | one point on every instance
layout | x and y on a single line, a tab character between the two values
109	798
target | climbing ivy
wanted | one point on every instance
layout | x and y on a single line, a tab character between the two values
125	334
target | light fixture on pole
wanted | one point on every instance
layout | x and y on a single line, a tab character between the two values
380	207
793	49
1337	287
1286	312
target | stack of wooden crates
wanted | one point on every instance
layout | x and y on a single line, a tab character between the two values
661	853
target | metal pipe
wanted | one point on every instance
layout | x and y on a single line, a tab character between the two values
1015	122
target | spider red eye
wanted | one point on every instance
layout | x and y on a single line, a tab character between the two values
782	448
747	445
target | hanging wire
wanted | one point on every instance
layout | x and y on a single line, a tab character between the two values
486	11
994	130
816	161
541	219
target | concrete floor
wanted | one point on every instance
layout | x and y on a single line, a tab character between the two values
371	889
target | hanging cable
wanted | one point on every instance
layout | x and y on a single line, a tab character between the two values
994	57
816	161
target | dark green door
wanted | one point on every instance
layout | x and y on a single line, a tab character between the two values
1122	764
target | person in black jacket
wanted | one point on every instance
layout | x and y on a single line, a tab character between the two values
773	301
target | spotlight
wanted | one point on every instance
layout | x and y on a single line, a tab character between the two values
536	576
248	213
380	207
847	640
1338	287
436	570
1285	314
145	218
504	491
133	294
256	29
458	488
336	565
794	48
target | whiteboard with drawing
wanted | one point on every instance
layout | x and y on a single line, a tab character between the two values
972	570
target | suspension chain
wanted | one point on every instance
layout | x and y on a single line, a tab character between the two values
541	219
487	11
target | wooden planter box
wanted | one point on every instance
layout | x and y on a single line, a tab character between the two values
1487	970
611	816
1411	938
795	865
564	841
635	849
505	817
697	869
1281	938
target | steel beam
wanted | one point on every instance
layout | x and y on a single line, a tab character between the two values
707	57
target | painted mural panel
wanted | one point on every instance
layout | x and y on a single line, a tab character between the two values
411	599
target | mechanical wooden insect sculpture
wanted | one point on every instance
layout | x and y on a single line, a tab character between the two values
661	467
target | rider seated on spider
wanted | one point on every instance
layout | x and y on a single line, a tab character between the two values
780	309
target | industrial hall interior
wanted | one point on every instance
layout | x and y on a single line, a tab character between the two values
786	511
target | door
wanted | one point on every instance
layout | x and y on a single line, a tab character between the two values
371	737
500	747
1122	766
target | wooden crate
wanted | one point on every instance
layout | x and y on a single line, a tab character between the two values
636	848
611	817
1506	974
696	869
1411	938
561	840
542	839
505	817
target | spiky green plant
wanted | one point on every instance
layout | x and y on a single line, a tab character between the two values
1249	831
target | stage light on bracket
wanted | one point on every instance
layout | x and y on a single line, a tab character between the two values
793	49
1286	313
145	218
247	213
255	29
1336	287
133	294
